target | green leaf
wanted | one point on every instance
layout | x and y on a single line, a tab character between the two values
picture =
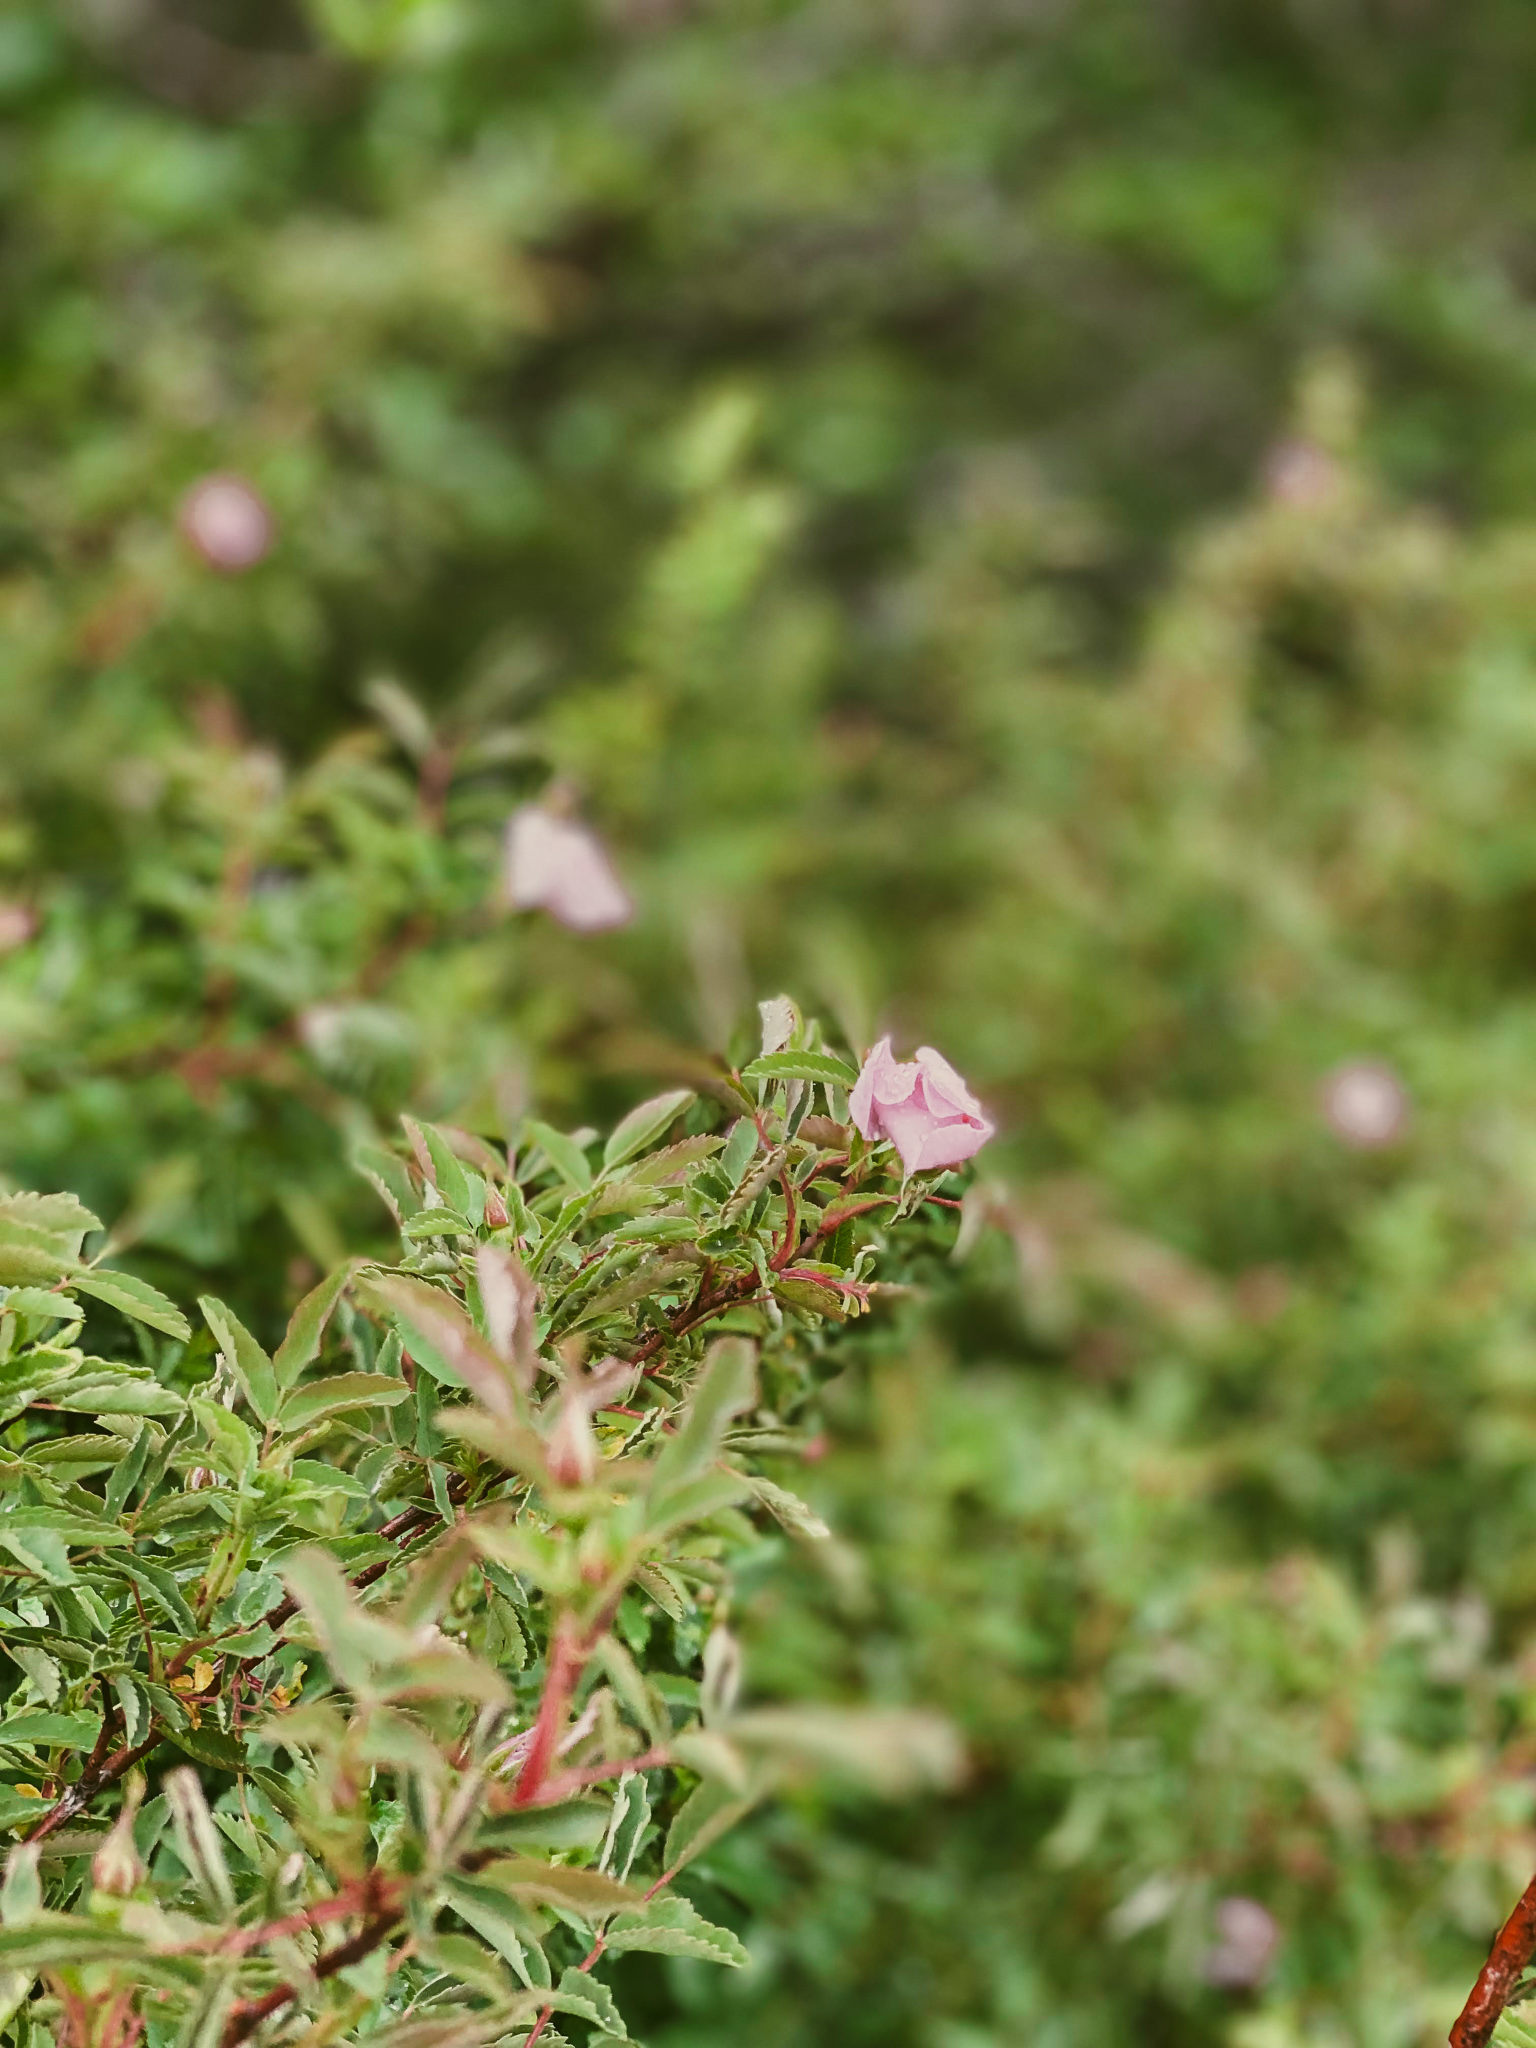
892	1750
136	1298
674	1164
132	1705
244	1357
306	1326
674	1927
209	1746
41	1551
40	1730
563	1153
589	1999
725	1387
788	1509
494	1918
740	1149
40	1237
127	1472
436	1222
647	1122
448	1175
708	1812
312	1404
39	1301
233	1446
626	1828
800	1066
440	1337
157	1582
390	1179
21	1895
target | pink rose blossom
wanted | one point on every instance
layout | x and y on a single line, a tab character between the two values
226	521
556	864
921	1105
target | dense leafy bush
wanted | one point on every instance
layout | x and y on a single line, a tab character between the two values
797	430
529	1528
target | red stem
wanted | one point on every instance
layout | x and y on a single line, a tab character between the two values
1513	1947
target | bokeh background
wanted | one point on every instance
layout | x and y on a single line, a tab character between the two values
1016	519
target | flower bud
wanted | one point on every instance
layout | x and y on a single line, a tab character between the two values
117	1867
572	1449
497	1215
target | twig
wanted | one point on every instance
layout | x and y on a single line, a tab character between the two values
1513	1947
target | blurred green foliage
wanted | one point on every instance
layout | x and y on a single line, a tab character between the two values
1010	516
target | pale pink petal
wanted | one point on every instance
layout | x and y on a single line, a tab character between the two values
947	1144
586	893
861	1102
946	1093
533	857
907	1125
555	864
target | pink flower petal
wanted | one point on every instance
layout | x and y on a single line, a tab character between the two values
908	1126
949	1143
946	1093
586	894
861	1102
557	865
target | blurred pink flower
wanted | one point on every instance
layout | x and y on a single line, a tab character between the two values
921	1105
1247	1935
1365	1104
556	864
17	925
227	522
1301	475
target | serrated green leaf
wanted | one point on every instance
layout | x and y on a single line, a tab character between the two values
647	1122
40	1730
244	1357
589	1999
136	1298
448	1176
674	1927
233	1445
306	1326
563	1153
39	1301
800	1066
308	1405
436	1222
